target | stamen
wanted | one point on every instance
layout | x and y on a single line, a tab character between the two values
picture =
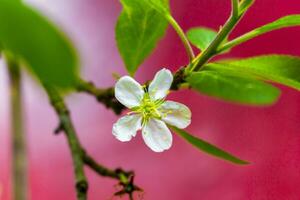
148	108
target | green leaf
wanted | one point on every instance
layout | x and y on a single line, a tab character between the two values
161	6
139	28
281	69
207	147
36	42
201	37
233	87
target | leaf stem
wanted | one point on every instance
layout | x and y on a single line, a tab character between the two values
210	51
238	40
182	36
19	160
254	33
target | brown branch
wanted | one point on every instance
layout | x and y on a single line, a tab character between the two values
103	171
125	178
67	126
106	96
79	155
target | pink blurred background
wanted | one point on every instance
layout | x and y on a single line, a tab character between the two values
268	137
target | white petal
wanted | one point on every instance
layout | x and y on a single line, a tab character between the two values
175	114
126	127
157	135
161	84
129	92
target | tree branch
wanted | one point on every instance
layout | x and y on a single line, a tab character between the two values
67	126
107	97
125	178
101	170
104	96
79	155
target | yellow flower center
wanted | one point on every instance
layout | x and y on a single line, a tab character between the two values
148	108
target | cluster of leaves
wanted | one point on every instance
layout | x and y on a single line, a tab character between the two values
45	51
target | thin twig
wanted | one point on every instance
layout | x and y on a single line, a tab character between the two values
125	178
74	144
107	97
104	96
79	155
101	170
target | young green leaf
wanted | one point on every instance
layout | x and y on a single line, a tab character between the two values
233	87
281	69
138	30
284	22
33	39
201	37
207	147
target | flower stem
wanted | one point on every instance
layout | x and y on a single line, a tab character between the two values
182	36
19	160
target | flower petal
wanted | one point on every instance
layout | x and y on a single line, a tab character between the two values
161	84
126	127
157	135
175	114
129	92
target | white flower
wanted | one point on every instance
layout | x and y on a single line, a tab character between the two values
150	111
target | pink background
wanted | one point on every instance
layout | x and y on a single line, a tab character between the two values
268	137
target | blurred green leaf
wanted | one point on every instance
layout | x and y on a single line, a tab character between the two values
207	147
281	69
233	87
139	28
201	37
33	39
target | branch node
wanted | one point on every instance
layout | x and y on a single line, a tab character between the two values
179	78
59	128
82	186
